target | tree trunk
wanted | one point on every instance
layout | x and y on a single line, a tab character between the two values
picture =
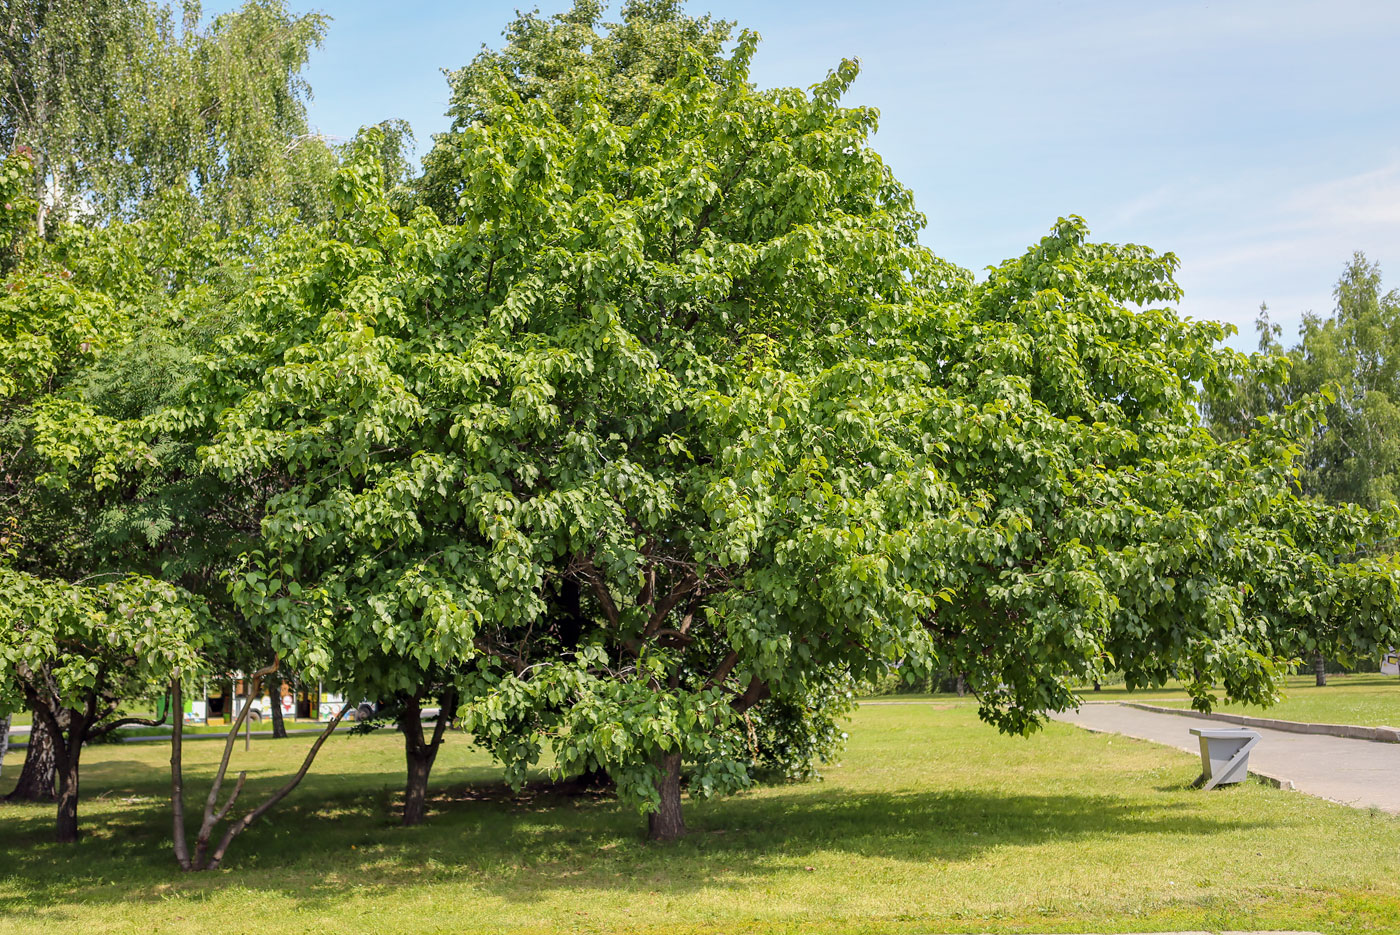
420	764
37	778
67	830
177	776
1320	670
279	725
961	686
420	753
67	752
202	859
667	823
239	826
4	742
41	174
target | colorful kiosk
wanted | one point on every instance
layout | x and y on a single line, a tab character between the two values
220	700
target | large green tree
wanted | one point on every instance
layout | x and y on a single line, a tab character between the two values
670	431
680	431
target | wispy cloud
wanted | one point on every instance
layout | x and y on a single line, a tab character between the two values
1356	201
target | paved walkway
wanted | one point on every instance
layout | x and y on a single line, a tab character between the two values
1361	773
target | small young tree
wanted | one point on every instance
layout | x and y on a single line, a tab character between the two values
203	857
74	653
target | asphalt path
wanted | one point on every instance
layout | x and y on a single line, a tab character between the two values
1360	773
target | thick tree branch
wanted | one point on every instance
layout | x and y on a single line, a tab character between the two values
107	728
756	692
726	666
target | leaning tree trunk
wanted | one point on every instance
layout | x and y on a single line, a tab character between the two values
1320	670
667	823
203	858
37	778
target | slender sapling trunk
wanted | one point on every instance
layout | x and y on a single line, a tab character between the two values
203	857
177	776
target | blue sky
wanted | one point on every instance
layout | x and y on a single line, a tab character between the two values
1260	141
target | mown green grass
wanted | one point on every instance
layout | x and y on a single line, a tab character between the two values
931	822
1368	700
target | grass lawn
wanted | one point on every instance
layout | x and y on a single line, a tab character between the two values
1366	699
931	822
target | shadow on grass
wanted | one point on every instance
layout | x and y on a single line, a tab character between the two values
519	846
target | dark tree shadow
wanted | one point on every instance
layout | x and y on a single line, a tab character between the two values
309	850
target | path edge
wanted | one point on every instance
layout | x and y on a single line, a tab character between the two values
1351	731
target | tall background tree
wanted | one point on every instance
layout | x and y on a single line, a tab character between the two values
1351	358
129	111
123	100
1355	456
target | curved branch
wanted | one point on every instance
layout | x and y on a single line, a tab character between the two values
239	826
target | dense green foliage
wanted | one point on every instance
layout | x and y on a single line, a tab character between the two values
78	647
625	64
680	432
112	112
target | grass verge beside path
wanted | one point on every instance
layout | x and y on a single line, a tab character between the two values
1367	700
931	822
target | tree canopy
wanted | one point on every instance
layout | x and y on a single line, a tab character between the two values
626	63
680	432
657	430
